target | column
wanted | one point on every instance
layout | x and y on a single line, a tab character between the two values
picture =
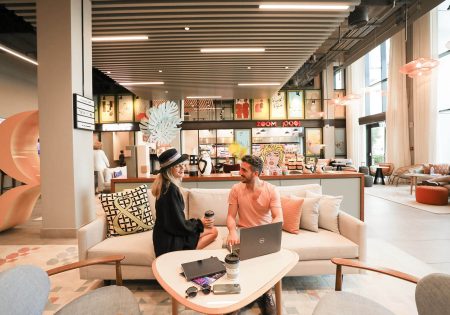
65	67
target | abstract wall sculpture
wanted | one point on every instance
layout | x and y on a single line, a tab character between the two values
19	159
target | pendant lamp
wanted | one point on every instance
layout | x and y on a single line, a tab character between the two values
418	67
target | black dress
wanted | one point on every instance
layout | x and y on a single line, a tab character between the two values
172	231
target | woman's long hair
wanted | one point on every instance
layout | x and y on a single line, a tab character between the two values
162	181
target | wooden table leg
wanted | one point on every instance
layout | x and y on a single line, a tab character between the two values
412	183
174	307
278	297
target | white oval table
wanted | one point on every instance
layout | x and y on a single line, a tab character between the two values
256	276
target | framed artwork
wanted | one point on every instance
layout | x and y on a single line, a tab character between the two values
242	109
107	109
140	109
339	110
340	146
260	109
278	106
125	108
295	105
243	137
312	136
313	104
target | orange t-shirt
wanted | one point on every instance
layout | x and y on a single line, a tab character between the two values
251	211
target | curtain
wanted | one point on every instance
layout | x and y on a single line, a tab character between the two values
356	134
424	100
397	123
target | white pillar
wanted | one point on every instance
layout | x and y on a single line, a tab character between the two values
65	67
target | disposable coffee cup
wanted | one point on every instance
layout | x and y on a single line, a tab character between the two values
209	214
232	266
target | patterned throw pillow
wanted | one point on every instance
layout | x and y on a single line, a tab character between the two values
127	212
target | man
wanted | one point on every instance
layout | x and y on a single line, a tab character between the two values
256	202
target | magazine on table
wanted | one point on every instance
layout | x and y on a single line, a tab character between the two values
207	280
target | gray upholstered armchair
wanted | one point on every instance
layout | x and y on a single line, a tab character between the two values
432	294
24	290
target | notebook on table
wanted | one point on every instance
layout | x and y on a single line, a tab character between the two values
258	241
202	267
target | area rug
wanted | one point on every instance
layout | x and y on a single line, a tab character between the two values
300	294
401	194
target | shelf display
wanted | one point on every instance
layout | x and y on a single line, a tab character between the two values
278	106
295	105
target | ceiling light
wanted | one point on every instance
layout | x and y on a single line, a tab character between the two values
311	7
286	67
118	38
166	92
187	28
231	50
159	71
201	97
249	68
142	83
255	84
18	54
108	72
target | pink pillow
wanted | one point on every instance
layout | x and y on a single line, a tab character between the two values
292	212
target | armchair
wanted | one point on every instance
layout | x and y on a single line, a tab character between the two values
24	290
432	293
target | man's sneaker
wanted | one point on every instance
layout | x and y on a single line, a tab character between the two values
267	304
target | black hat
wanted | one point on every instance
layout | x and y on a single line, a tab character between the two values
170	158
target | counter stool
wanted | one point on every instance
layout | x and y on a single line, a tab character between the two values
432	195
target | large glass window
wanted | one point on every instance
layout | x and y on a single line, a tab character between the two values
376	76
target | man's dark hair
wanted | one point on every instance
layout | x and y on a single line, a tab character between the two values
255	162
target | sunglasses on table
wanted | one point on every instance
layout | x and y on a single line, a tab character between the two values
191	292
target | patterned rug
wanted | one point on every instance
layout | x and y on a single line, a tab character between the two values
401	194
300	294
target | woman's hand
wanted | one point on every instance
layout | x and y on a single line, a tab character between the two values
207	223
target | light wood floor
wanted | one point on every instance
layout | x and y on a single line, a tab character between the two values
421	234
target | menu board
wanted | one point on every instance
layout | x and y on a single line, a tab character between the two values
260	109
295	105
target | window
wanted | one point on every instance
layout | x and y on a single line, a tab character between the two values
376	76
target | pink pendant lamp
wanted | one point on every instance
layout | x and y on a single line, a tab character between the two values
418	67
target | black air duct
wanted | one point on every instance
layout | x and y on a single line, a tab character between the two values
359	17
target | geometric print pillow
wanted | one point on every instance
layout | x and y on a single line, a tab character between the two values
127	212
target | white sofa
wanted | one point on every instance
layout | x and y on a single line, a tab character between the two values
314	249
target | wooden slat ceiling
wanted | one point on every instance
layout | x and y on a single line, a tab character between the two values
289	37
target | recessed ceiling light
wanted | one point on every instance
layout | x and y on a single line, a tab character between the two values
200	97
108	72
18	54
255	84
187	28
159	71
286	67
231	50
249	68
166	92
311	7
118	38
142	83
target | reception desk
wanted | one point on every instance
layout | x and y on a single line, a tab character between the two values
350	185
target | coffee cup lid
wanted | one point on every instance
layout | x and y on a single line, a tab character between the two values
231	259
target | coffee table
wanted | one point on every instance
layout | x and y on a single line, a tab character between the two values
256	276
415	176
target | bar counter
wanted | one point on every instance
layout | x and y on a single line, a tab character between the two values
350	185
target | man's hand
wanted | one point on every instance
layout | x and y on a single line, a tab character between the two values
232	238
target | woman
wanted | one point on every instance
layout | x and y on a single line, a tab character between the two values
172	231
101	162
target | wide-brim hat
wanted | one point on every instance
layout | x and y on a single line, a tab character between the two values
170	158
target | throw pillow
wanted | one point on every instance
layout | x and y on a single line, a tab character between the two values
127	212
309	219
328	211
292	212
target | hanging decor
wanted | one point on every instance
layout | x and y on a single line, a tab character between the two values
419	67
343	100
162	123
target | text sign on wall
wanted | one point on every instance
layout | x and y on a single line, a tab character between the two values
83	112
285	123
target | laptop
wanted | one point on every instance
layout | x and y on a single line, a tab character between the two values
258	241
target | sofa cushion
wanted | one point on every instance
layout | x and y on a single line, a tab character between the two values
299	190
328	211
137	248
321	245
309	219
292	212
127	212
201	200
